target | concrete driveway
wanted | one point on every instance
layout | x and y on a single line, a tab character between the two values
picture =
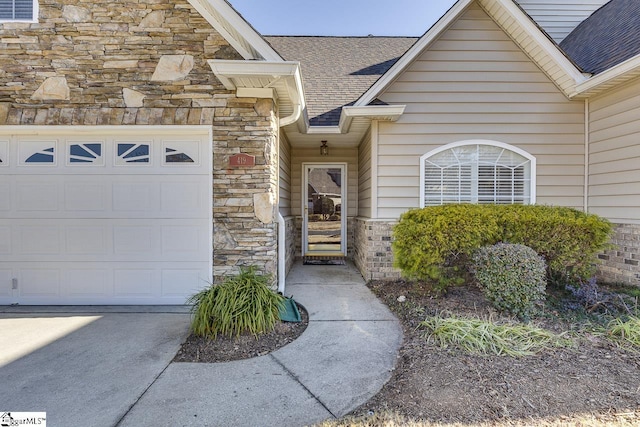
84	366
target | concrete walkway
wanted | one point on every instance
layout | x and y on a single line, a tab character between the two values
111	366
343	359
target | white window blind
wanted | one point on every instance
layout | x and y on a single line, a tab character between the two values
476	173
17	10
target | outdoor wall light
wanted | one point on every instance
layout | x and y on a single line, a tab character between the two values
324	149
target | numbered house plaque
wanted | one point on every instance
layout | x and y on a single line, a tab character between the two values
242	160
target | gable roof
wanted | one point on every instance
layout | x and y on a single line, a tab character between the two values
607	38
516	23
338	70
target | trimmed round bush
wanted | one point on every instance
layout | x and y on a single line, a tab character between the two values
512	277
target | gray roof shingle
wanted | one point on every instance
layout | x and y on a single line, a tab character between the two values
611	35
336	71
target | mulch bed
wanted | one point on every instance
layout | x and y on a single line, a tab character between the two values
225	349
448	385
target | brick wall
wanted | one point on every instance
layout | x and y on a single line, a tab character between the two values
290	243
621	263
145	63
372	249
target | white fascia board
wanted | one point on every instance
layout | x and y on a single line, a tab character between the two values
551	49
232	67
321	130
414	51
619	71
244	29
379	112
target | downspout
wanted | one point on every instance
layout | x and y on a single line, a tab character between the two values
586	155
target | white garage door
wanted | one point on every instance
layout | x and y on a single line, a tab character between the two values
104	215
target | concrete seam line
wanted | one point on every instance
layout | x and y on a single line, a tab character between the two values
294	377
141	395
352	320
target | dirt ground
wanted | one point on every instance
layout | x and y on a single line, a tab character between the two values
448	386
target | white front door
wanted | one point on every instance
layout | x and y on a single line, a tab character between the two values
324	209
117	215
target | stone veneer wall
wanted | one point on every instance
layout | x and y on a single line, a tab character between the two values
621	264
372	249
126	62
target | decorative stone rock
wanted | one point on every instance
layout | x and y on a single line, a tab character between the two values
263	207
223	238
129	63
264	107
53	88
173	67
152	20
4	112
76	14
132	98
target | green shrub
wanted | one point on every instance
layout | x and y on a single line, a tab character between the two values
429	242
512	277
433	243
568	239
242	303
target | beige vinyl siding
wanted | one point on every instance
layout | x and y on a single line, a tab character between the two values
475	83
614	154
364	177
312	155
285	176
559	18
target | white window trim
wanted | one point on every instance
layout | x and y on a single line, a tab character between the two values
526	155
34	17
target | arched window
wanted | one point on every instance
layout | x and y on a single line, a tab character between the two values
477	171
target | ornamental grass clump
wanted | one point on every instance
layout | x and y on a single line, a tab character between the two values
512	277
241	304
487	338
625	332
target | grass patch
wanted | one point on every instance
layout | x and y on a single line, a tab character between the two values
625	332
486	338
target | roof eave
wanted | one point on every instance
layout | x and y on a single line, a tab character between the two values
238	32
614	76
254	77
389	113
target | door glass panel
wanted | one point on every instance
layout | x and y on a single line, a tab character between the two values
324	210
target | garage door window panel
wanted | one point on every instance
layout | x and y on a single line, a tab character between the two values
133	153
88	153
